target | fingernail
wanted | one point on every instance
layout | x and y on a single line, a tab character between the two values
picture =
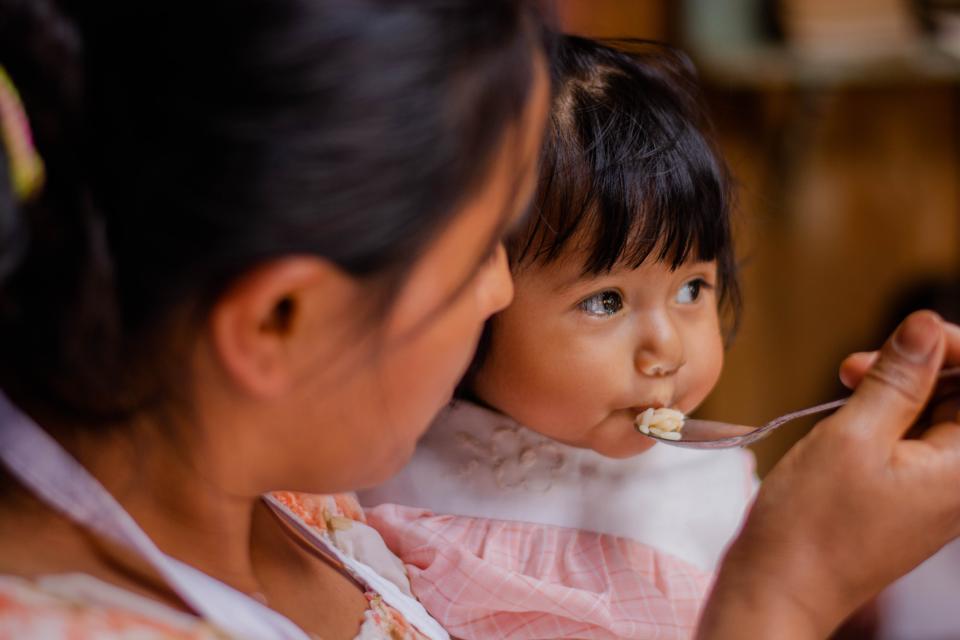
917	337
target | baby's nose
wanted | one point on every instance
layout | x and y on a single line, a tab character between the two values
660	370
660	351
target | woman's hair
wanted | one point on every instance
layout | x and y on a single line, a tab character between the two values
627	171
187	142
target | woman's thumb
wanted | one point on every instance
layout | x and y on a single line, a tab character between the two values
898	385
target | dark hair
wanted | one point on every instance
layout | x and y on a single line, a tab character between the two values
627	169
187	142
627	166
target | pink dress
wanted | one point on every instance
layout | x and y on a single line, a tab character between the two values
507	534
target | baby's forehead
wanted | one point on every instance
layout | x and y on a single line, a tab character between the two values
567	268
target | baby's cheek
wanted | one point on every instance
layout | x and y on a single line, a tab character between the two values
702	375
567	399
596	388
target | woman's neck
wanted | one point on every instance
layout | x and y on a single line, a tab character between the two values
179	501
185	509
180	505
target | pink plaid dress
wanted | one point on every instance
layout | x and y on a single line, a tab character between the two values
511	535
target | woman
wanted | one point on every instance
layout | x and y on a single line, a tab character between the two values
266	243
268	239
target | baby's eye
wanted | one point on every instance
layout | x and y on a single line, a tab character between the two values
605	303
690	291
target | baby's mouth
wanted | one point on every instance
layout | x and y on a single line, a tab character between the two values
664	403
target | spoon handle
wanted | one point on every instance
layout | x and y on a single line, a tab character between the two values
720	435
946	374
802	413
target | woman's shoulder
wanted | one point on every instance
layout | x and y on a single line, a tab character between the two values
79	607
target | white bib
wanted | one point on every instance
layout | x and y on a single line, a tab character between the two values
479	463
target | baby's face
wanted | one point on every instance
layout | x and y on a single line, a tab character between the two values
577	358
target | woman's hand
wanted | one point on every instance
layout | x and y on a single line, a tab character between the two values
852	506
855	367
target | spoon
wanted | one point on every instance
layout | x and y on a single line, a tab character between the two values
707	434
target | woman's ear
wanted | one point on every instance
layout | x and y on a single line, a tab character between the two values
276	319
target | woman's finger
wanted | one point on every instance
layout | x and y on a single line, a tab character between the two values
855	366
896	387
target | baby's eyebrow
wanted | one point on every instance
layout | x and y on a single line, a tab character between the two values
568	283
578	278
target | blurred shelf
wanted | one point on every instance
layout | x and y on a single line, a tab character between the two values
763	67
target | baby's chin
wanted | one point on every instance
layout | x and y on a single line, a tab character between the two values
616	437
625	448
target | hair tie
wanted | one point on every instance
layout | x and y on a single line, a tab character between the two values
26	167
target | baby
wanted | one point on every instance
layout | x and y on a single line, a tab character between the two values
534	507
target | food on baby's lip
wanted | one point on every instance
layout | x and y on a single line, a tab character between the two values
662	423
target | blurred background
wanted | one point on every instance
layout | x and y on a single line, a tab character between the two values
841	122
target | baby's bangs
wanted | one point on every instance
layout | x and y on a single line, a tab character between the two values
619	184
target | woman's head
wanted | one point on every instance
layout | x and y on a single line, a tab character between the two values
250	193
622	268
